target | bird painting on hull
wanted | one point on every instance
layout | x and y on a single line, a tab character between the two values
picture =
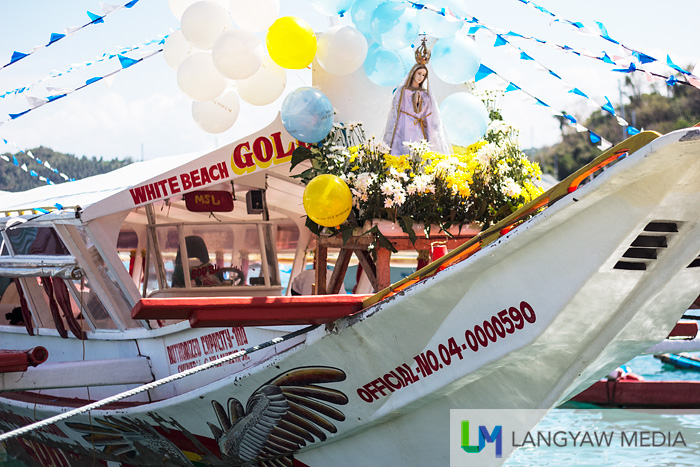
280	417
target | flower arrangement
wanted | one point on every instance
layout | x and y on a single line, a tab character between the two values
482	183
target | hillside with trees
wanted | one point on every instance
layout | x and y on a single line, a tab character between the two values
14	178
678	107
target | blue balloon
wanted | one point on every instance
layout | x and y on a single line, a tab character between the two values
384	67
361	14
464	118
332	7
307	114
394	25
455	60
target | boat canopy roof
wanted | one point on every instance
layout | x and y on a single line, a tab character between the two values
245	162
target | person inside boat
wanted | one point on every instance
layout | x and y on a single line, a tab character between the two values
202	274
414	114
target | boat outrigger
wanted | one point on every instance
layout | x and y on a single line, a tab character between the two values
227	368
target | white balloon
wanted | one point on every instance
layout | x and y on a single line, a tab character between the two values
254	15
203	22
178	7
237	54
176	49
218	115
265	86
198	78
341	50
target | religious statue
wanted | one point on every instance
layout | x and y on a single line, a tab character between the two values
414	114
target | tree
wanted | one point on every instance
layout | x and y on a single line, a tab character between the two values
14	178
651	111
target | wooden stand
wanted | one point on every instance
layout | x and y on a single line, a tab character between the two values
378	272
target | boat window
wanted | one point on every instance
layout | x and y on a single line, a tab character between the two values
36	241
217	255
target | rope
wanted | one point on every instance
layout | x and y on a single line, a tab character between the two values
153	385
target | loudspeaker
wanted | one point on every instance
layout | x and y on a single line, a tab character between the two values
255	201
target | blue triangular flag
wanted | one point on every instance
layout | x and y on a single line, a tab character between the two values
632	130
14	161
671	81
577	24
126	61
632	68
13	116
554	74
58	206
604	33
17	56
570	118
41	210
92	80
94	19
579	92
607	59
483	72
609	107
674	66
55	36
418	6
33	174
499	41
131	3
643	58
524	56
56	97
595	139
539	102
512	87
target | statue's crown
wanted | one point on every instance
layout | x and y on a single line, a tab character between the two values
422	52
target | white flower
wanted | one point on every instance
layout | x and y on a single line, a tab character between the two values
485	154
503	168
421	184
511	188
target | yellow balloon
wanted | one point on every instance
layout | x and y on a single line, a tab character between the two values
291	42
327	200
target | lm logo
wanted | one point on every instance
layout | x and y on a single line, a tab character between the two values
484	437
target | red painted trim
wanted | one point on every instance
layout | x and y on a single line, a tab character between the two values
65	402
250	311
649	394
685	329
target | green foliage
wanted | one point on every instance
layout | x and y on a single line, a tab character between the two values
13	178
650	111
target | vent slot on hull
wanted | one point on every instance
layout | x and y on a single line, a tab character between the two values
647	246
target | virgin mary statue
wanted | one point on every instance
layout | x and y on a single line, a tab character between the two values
414	114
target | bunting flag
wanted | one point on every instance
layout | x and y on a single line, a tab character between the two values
125	63
101	58
70	30
38	161
602	32
599	141
621	63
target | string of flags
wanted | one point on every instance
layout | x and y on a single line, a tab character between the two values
70	30
640	57
606	107
594	138
36	102
99	59
31	172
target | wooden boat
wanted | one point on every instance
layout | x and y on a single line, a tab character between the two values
679	394
145	367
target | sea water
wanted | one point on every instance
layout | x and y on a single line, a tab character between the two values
590	418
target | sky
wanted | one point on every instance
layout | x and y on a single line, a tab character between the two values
140	113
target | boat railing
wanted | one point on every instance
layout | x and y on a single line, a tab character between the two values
548	198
